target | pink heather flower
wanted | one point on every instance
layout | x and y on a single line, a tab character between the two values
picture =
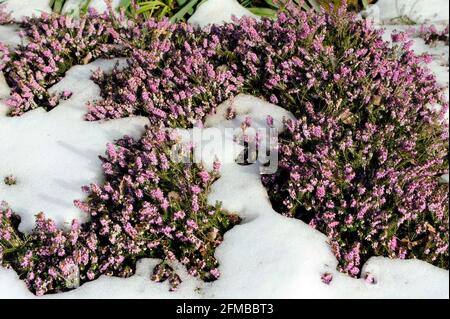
26	261
91	275
192	224
67	93
369	278
157	194
399	37
5	235
393	244
195	206
402	253
193	272
52	272
383	155
204	175
316	131
327	278
111	151
320	192
348	219
295	176
273	99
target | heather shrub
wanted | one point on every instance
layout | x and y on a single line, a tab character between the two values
54	44
361	163
10	180
148	207
369	193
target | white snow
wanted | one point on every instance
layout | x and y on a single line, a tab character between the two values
11	287
26	8
391	15
267	256
217	12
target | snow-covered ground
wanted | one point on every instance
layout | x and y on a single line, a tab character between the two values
268	256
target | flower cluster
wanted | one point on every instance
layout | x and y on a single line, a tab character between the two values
42	258
372	194
53	45
149	206
152	206
173	77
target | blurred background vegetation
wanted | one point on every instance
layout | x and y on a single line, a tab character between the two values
180	10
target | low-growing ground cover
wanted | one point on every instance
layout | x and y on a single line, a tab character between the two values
363	159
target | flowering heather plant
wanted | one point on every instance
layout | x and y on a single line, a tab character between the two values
54	44
42	258
368	198
363	160
149	206
362	163
5	17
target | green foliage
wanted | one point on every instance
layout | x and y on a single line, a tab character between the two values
181	10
